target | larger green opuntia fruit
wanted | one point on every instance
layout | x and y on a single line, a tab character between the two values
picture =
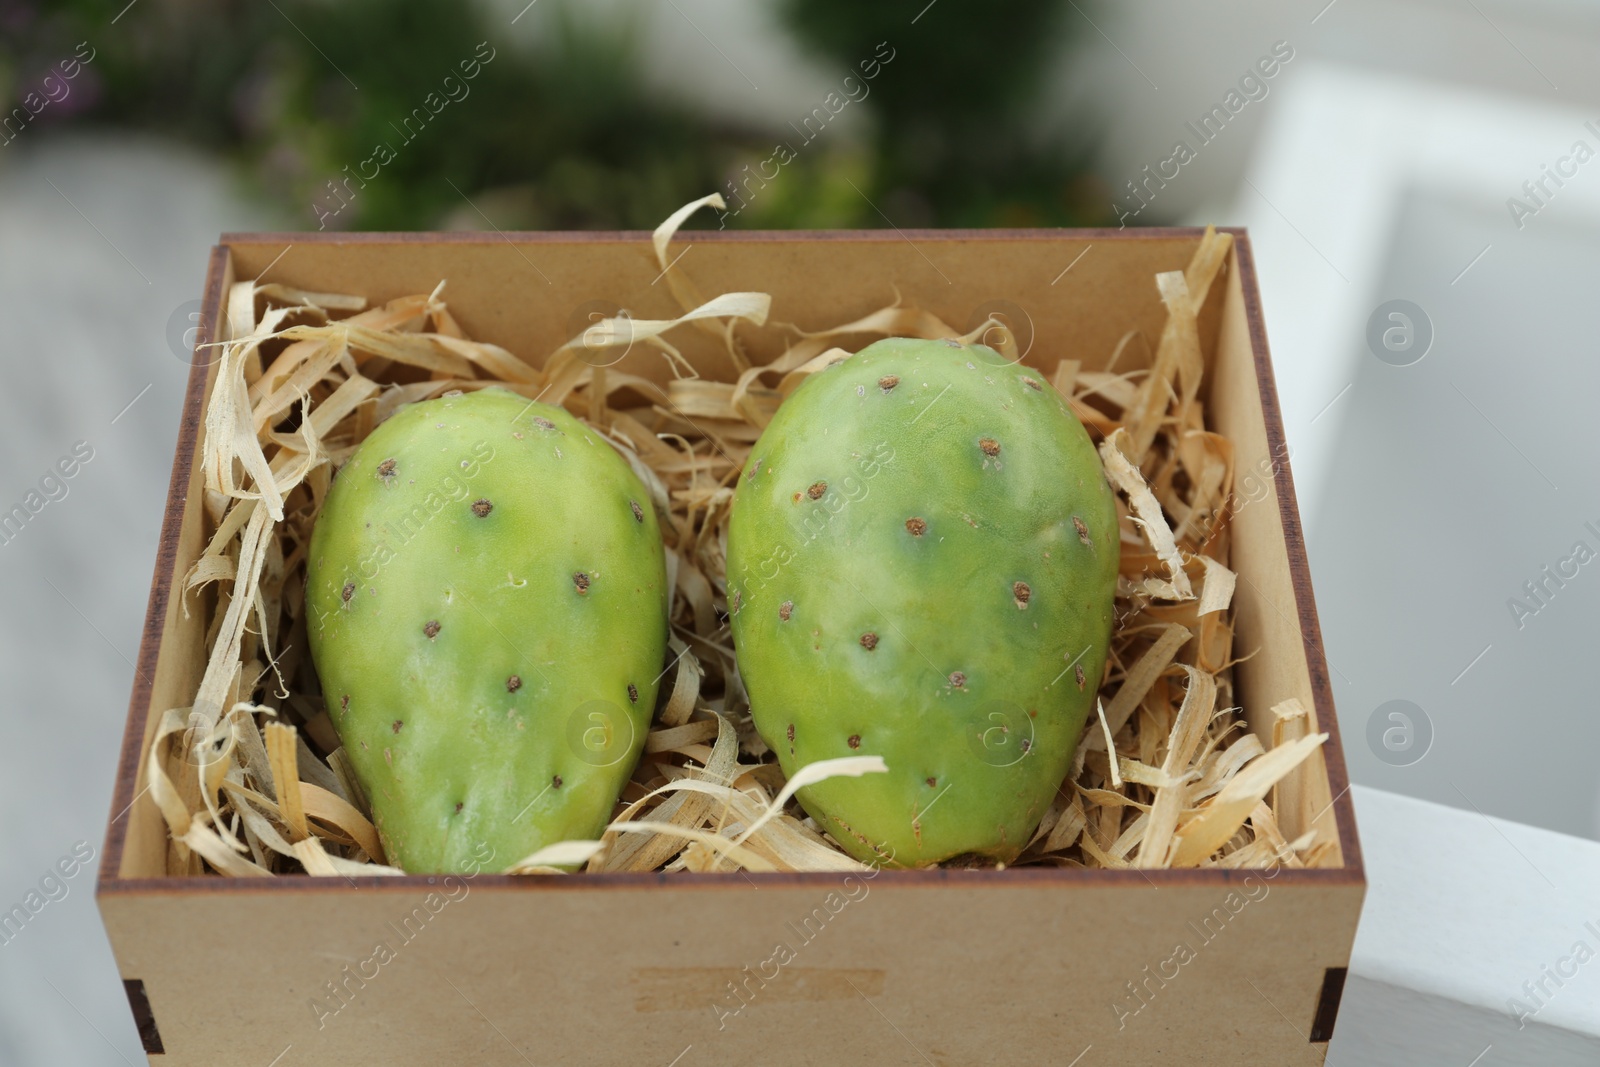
488	615
922	560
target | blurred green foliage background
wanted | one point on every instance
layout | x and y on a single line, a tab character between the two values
564	130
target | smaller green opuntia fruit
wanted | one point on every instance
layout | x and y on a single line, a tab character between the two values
488	597
922	561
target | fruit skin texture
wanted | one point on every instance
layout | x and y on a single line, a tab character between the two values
922	555
488	616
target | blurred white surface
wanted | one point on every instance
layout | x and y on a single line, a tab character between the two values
1440	975
1324	199
1434	493
1541	50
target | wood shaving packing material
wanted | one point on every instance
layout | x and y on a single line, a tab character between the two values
251	783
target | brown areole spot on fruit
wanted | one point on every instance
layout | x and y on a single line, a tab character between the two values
1083	531
397	724
854	741
916	527
513	683
556	781
459	806
888	382
633	693
816	490
431	628
932	781
1030	383
951	342
791	731
580	581
481	508
543	423
869	640
738	599
958	679
1080	676
990	446
638	512
1022	594
347	592
385	471
344	702
785	610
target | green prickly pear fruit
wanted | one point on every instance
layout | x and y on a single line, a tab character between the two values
488	616
922	560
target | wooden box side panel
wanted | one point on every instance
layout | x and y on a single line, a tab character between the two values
172	648
530	293
963	973
1271	609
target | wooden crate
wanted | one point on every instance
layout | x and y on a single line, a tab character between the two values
1021	966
